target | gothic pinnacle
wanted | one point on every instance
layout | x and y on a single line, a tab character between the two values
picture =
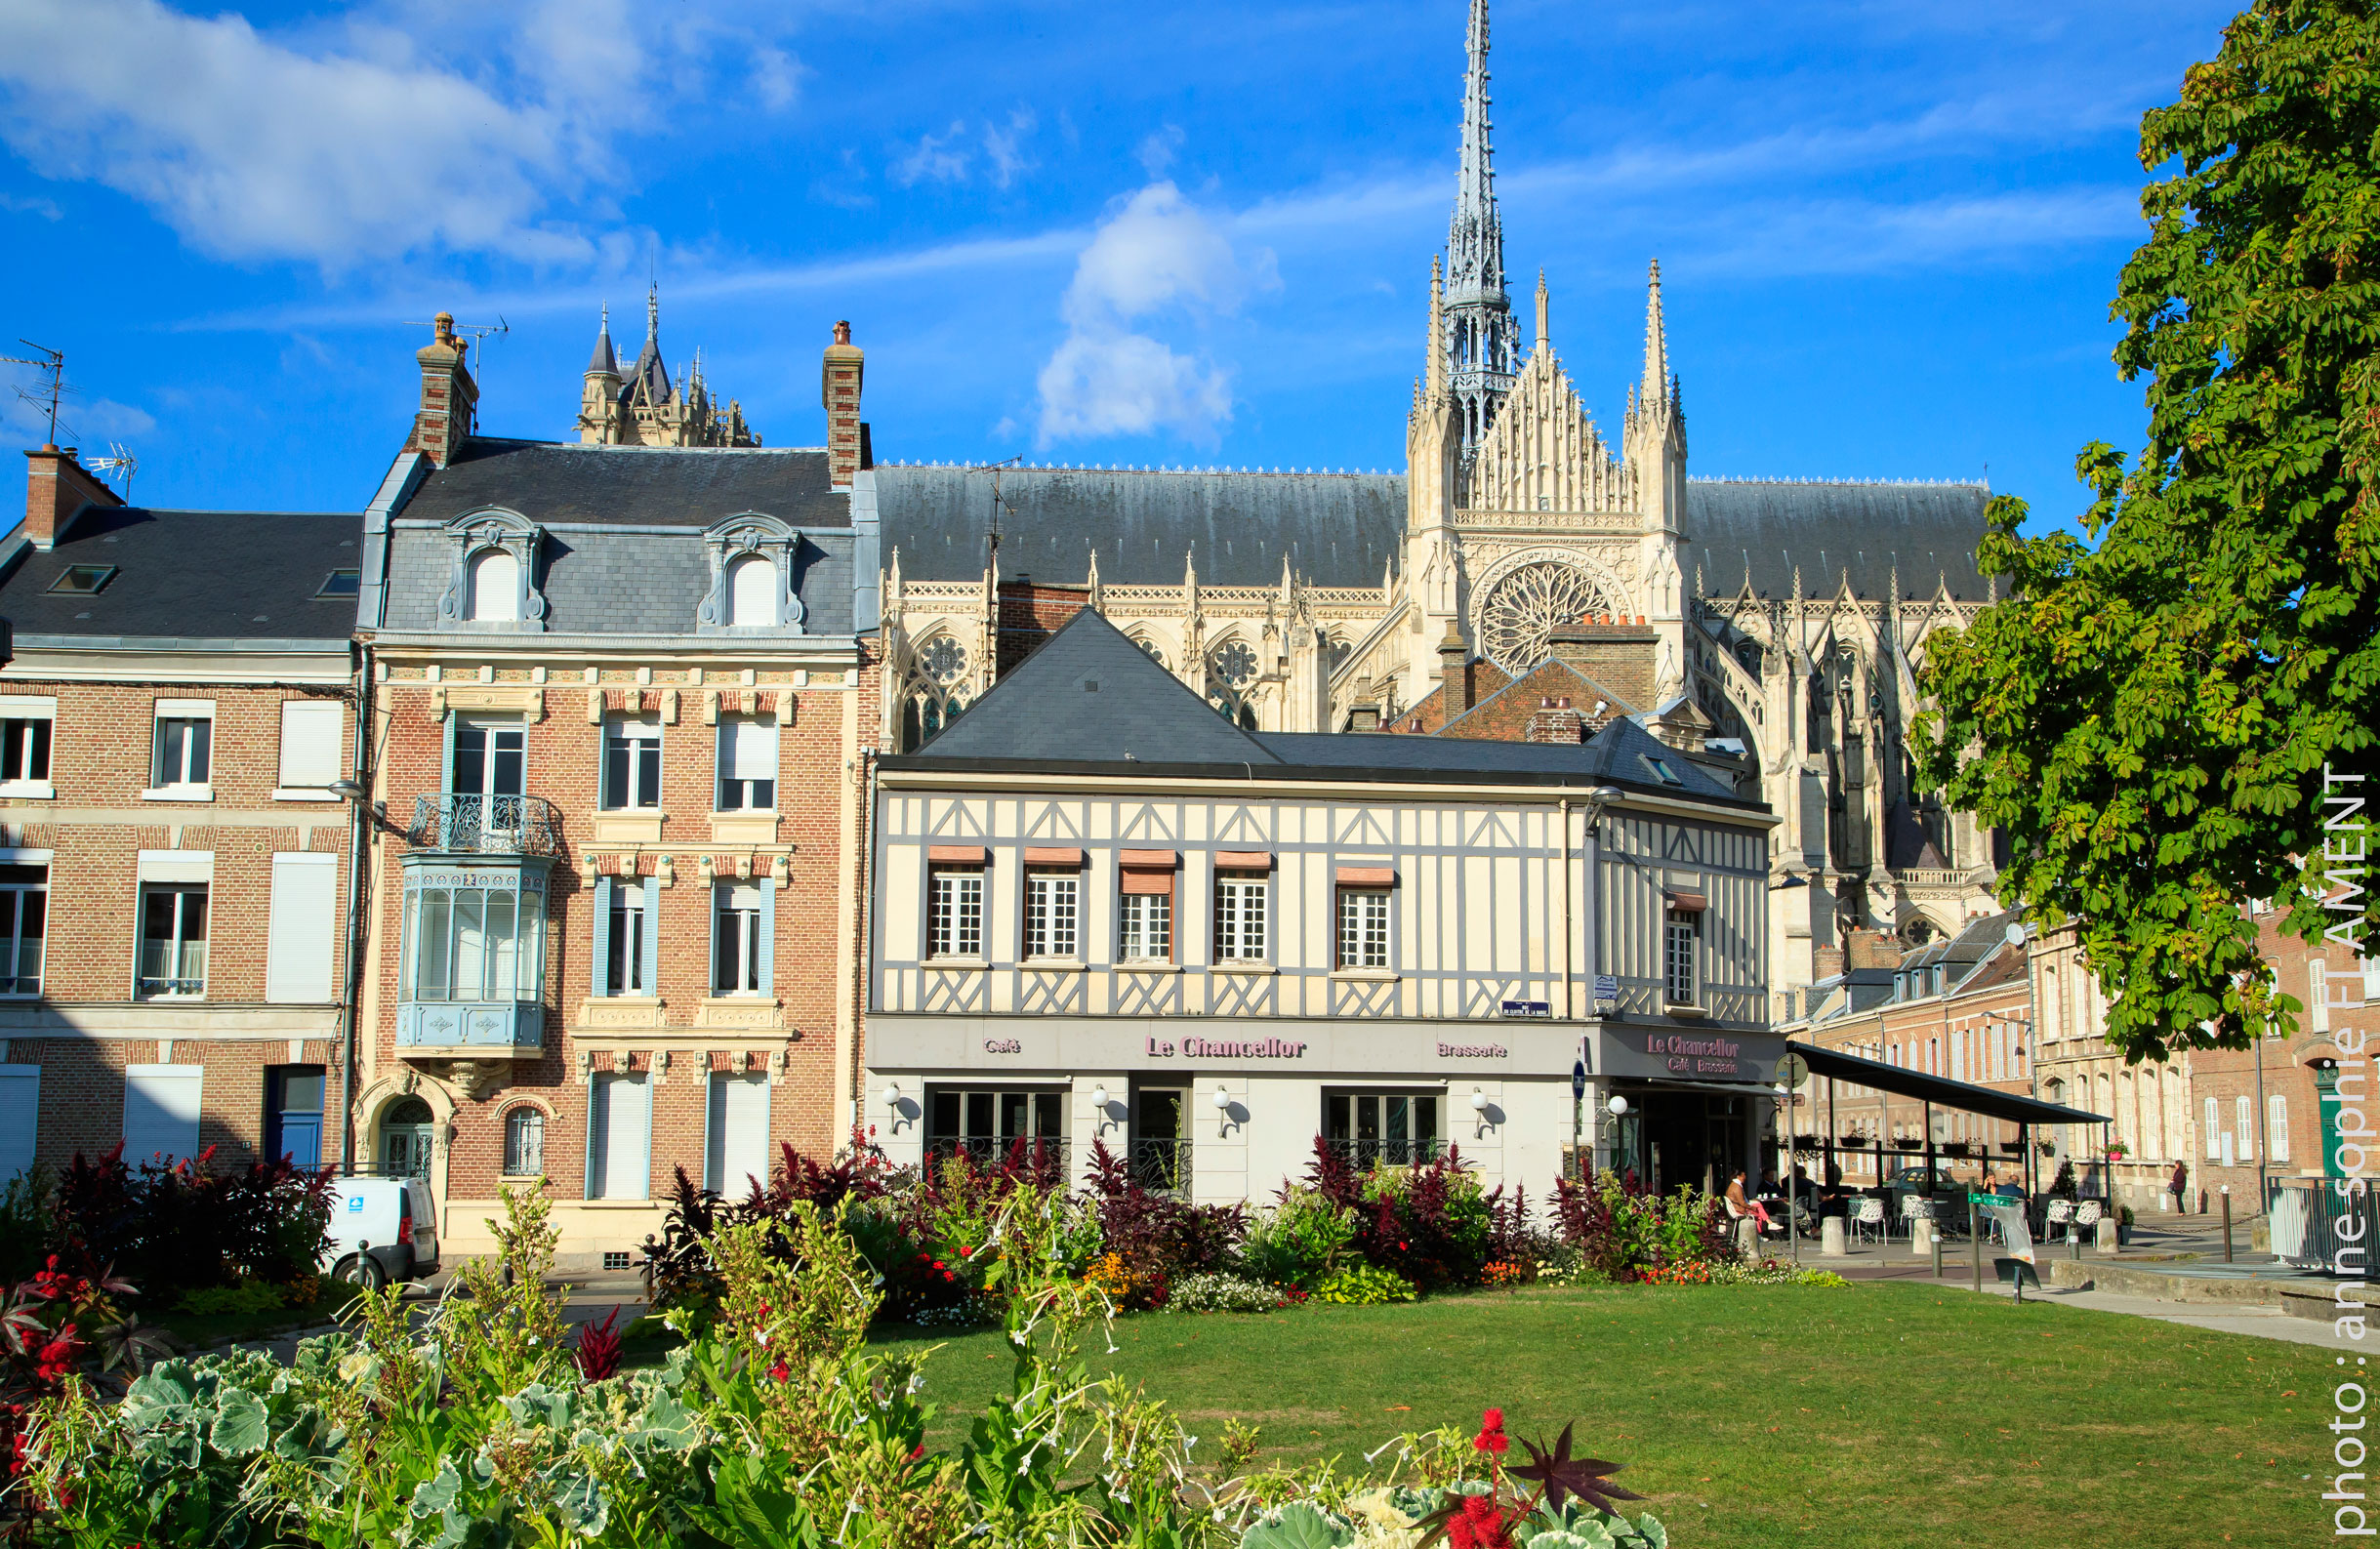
1657	381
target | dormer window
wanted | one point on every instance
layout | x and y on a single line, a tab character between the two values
492	588
751	594
84	581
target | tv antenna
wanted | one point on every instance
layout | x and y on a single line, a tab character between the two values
480	334
996	470
119	459
54	362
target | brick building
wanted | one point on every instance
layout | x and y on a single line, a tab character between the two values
1958	1008
176	701
624	712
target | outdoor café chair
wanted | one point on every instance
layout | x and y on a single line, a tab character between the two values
2059	1220
2087	1216
1867	1217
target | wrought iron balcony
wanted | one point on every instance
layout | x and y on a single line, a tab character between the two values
482	825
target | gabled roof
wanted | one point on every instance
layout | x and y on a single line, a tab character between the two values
1090	695
557	482
190	576
1048	715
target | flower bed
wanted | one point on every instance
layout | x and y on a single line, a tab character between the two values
776	1425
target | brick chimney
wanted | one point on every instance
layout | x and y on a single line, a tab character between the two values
1556	720
1874	949
450	399
1454	672
1825	962
839	383
56	487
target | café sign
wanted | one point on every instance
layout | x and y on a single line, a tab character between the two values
1696	1054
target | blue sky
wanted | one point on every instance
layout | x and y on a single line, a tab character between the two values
1193	233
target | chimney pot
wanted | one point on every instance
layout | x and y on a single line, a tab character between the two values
450	399
56	488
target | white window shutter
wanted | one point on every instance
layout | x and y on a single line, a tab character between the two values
19	1117
600	963
2214	1130
300	937
649	968
768	936
2317	996
752	748
310	743
738	1147
619	1138
161	1106
2277	1126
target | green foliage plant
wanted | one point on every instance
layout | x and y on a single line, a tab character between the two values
2150	721
1364	1285
1297	1241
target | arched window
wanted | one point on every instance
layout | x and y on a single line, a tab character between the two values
492	588
752	592
524	1143
406	1131
1231	673
936	691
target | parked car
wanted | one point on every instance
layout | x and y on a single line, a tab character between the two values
380	1230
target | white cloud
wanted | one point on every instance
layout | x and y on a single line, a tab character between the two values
47	209
1157	254
935	159
1157	151
353	142
1001	147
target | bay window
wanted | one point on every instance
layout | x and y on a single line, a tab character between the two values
474	936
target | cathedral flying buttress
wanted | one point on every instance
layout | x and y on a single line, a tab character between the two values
1521	577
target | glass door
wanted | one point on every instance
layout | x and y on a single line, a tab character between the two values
1161	1148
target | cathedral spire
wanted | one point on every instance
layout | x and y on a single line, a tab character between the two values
1545	314
1480	343
1656	386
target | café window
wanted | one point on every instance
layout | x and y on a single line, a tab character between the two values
473	941
1681	937
1053	912
989	1124
1144	913
1363	916
1241	899
954	911
1391	1129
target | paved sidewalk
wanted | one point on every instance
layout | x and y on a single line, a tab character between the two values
2256	1321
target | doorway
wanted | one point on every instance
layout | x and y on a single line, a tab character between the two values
1681	1139
293	1115
1161	1148
404	1138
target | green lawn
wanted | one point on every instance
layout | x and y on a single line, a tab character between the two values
1889	1414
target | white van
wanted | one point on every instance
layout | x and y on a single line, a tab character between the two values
380	1230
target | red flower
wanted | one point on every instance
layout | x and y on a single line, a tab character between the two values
937	1263
780	1371
1479	1525
964	1252
1490	1436
916	1452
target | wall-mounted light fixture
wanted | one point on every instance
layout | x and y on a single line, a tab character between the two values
1479	1106
1100	1123
1222	1105
892	1103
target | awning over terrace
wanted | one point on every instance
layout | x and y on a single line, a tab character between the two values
1939	1090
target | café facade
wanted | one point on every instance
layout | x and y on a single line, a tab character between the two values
1103	913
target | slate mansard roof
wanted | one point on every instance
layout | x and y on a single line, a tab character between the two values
1114	710
622	553
190	577
559	481
1341	529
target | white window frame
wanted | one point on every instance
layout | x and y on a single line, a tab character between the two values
733	589
2213	1138
1364	916
736	917
2275	1126
1242	916
636	741
531	1122
2318	994
488	729
12	937
480	605
734	731
17	777
185	713
1053	915
1144	927
1681	971
307	766
2244	1125
954	911
627	922
178	880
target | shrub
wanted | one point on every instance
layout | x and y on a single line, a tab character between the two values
218	1301
1160	1234
1222	1293
190	1225
1364	1285
1299	1241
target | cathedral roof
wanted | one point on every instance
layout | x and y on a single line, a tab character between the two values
1336	529
1770	527
551	481
1341	529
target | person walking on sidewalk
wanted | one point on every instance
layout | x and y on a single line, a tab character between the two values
2179	1185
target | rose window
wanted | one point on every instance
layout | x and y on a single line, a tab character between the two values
1523	610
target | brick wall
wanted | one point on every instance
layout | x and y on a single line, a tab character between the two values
101	764
563	766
